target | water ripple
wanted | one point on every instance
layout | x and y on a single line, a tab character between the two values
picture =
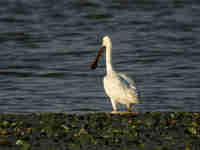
46	47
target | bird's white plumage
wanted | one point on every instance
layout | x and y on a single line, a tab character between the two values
118	87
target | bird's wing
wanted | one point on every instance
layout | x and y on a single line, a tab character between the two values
126	80
129	84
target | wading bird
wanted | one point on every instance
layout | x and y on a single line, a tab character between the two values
118	87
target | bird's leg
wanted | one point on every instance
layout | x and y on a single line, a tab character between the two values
114	104
129	107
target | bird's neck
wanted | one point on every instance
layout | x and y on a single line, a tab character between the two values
109	68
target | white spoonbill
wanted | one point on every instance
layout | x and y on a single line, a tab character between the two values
118	87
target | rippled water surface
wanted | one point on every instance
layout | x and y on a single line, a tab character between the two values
46	46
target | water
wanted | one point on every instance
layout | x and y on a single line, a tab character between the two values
46	46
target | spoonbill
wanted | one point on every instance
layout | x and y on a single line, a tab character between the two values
118	87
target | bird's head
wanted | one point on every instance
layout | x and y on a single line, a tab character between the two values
105	43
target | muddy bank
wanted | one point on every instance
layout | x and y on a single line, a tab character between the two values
62	131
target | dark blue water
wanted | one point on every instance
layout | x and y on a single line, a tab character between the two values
46	46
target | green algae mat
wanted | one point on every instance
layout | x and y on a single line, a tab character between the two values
100	131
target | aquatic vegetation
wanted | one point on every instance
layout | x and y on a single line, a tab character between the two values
23	145
52	131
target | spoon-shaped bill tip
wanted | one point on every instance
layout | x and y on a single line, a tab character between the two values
93	65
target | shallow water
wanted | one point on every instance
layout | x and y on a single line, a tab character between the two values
46	46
